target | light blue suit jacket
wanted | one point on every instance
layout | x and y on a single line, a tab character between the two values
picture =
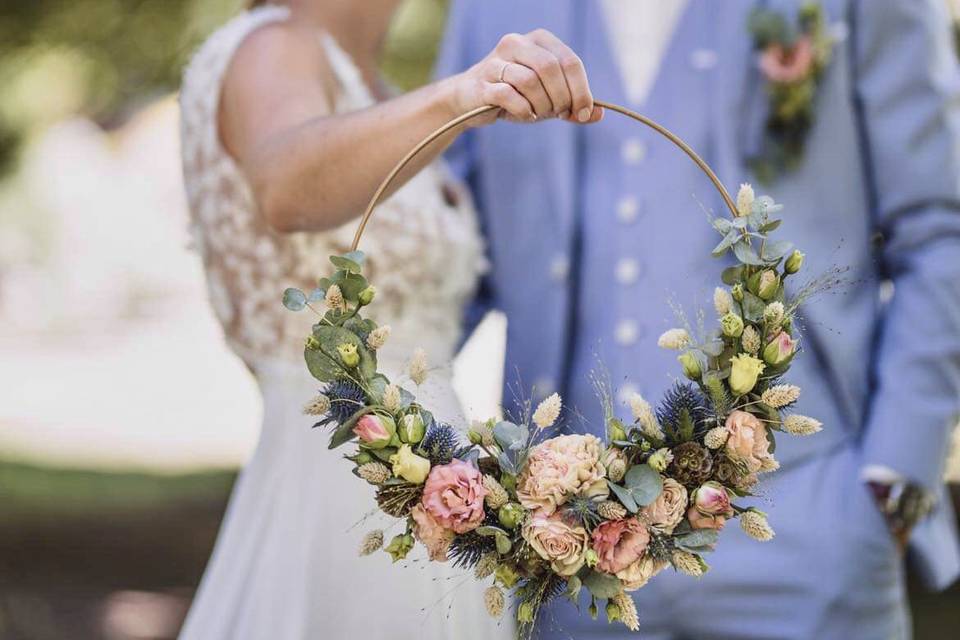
879	191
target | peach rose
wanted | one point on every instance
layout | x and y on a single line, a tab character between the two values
559	468
785	66
640	572
429	532
619	543
453	495
666	512
702	521
748	442
555	540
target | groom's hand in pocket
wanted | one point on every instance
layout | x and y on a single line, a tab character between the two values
531	77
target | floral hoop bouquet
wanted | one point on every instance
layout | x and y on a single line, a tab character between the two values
541	516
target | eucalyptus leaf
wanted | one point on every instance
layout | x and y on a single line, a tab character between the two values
601	585
713	347
773	251
490	530
723	225
726	243
317	295
644	483
772	225
753	307
574	585
510	436
746	253
470	455
732	275
625	496
351	262
697	541
503	544
294	299
506	464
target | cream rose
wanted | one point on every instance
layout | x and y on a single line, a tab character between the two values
748	442
666	512
560	543
640	572
559	468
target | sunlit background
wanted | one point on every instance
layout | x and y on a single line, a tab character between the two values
122	415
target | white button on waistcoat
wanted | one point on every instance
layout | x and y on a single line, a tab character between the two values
626	332
559	268
627	209
633	151
703	59
627	271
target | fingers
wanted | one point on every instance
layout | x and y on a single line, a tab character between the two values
548	74
514	105
581	98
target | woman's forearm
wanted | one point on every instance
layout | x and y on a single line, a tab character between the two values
321	174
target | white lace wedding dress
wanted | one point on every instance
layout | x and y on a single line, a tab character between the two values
285	565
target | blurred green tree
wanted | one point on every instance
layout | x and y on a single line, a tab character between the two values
104	58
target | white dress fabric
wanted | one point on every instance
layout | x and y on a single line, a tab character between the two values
285	565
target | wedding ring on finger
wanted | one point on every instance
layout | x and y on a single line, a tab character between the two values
503	71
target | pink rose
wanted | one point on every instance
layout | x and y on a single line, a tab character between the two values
429	532
640	572
747	442
375	431
780	349
562	467
619	543
453	495
785	66
666	512
711	499
702	521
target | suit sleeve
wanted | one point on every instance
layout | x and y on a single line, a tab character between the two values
458	52
908	97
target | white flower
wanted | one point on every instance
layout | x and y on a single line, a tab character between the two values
418	367
378	337
548	411
674	339
773	313
716	437
801	425
722	301
745	198
643	414
391	398
780	395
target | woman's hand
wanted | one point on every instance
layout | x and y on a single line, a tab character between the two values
530	77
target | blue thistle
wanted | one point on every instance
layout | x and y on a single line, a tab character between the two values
346	398
441	443
682	412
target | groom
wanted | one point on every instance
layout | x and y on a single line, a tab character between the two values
592	231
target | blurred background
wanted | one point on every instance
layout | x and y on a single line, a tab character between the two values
123	417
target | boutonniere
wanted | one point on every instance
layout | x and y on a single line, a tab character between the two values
792	58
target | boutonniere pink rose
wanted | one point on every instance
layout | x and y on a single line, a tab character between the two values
785	64
453	494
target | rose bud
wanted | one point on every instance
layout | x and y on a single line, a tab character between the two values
768	284
506	575
375	431
525	612
712	499
510	515
366	296
410	466
348	355
615	430
412	428
590	557
691	365
732	325
744	372
780	349
737	292
660	459
312	344
592	610
613	612
794	262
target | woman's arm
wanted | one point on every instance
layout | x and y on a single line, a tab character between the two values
312	171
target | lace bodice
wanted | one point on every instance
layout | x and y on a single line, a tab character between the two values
424	254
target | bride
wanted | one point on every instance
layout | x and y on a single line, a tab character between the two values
287	128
